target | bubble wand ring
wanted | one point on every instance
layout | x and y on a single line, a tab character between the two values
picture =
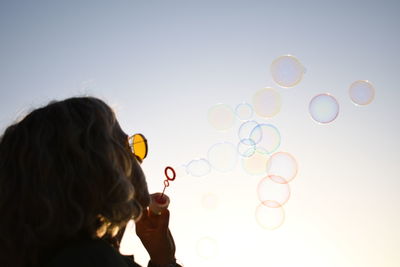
167	171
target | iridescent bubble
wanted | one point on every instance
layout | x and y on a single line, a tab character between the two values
221	117
362	92
282	164
198	167
222	156
287	71
256	163
246	147
244	111
324	108
270	218
267	102
210	201
273	191
207	247
245	130
266	136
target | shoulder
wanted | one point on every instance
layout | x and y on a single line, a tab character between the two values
87	253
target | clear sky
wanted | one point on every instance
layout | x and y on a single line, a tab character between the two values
162	64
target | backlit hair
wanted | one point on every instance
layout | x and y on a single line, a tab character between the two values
66	173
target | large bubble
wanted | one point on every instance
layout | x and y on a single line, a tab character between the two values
223	156
267	102
324	108
270	218
287	71
362	92
273	191
221	117
282	164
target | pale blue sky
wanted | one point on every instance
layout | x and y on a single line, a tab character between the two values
162	64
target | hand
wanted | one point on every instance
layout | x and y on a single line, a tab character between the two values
156	237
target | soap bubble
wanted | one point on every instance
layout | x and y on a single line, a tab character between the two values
246	147
222	156
198	167
282	164
246	129
267	102
256	163
210	201
207	247
244	111
273	191
362	92
266	136
287	71
324	108
221	117
270	218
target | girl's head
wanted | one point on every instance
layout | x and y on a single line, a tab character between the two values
66	172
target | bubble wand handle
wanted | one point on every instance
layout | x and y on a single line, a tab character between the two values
166	184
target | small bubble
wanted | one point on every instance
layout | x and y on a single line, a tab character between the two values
282	164
267	102
246	129
244	111
270	218
287	71
362	93
256	163
273	191
221	117
324	108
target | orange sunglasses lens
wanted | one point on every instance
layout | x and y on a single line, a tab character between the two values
138	145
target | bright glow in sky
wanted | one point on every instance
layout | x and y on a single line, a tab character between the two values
163	64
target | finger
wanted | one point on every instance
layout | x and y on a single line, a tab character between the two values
164	219
161	219
144	219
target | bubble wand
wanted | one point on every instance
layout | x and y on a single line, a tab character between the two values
167	170
160	201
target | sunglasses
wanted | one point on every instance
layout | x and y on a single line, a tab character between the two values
138	144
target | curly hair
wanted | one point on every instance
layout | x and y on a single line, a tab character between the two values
66	173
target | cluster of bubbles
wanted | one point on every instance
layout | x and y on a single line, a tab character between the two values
257	146
324	108
273	190
287	71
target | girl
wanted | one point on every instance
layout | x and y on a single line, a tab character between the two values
69	183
